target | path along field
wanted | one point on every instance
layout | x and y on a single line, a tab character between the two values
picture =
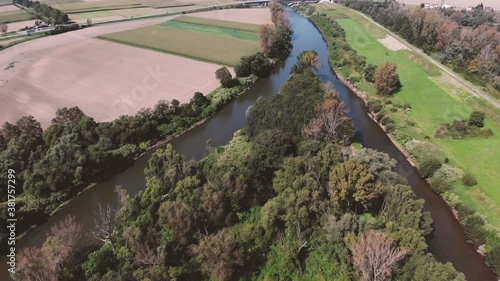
206	40
104	79
435	99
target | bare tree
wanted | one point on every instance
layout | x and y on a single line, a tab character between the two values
332	113
103	225
374	255
45	263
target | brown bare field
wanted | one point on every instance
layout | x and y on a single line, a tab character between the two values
253	15
392	43
457	3
104	79
8	8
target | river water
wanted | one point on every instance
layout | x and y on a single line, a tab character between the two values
447	242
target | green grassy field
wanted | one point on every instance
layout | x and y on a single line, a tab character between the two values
434	103
219	23
199	45
221	31
13	16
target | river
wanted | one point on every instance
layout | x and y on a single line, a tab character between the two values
447	242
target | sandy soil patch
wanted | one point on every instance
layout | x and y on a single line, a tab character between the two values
457	3
15	26
8	8
392	43
254	15
104	79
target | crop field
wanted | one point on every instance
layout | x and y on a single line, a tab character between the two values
5	2
218	23
197	45
432	103
222	31
13	16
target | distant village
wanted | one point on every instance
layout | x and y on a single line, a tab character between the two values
448	6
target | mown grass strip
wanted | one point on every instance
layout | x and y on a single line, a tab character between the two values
222	31
219	23
187	43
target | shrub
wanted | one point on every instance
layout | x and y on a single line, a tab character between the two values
390	127
463	211
493	259
449	172
474	229
394	109
469	180
387	120
476	119
407	106
422	150
354	78
440	184
379	116
429	167
369	72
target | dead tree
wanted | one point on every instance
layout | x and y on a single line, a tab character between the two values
374	255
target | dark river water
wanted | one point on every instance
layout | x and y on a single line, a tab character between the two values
447	243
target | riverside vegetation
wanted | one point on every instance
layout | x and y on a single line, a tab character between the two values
418	125
54	164
286	198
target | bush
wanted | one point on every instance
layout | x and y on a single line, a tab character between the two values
493	259
440	184
389	127
429	167
407	106
463	211
379	116
354	78
474	230
387	120
449	172
256	64
369	72
476	119
394	109
376	107
469	180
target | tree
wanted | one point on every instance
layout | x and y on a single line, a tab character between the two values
224	76
492	257
370	72
4	27
386	78
476	119
374	255
266	35
332	114
352	187
306	60
219	255
89	21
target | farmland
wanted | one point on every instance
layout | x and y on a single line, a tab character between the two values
193	40
434	99
14	15
218	23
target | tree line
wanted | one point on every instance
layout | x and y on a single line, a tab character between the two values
287	198
44	12
468	41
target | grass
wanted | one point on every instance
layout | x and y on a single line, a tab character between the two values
108	5
204	46
221	31
434	101
219	23
13	16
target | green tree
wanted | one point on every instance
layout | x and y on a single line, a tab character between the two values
352	187
386	78
224	76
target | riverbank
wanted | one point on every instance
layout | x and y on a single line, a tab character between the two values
412	126
253	80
